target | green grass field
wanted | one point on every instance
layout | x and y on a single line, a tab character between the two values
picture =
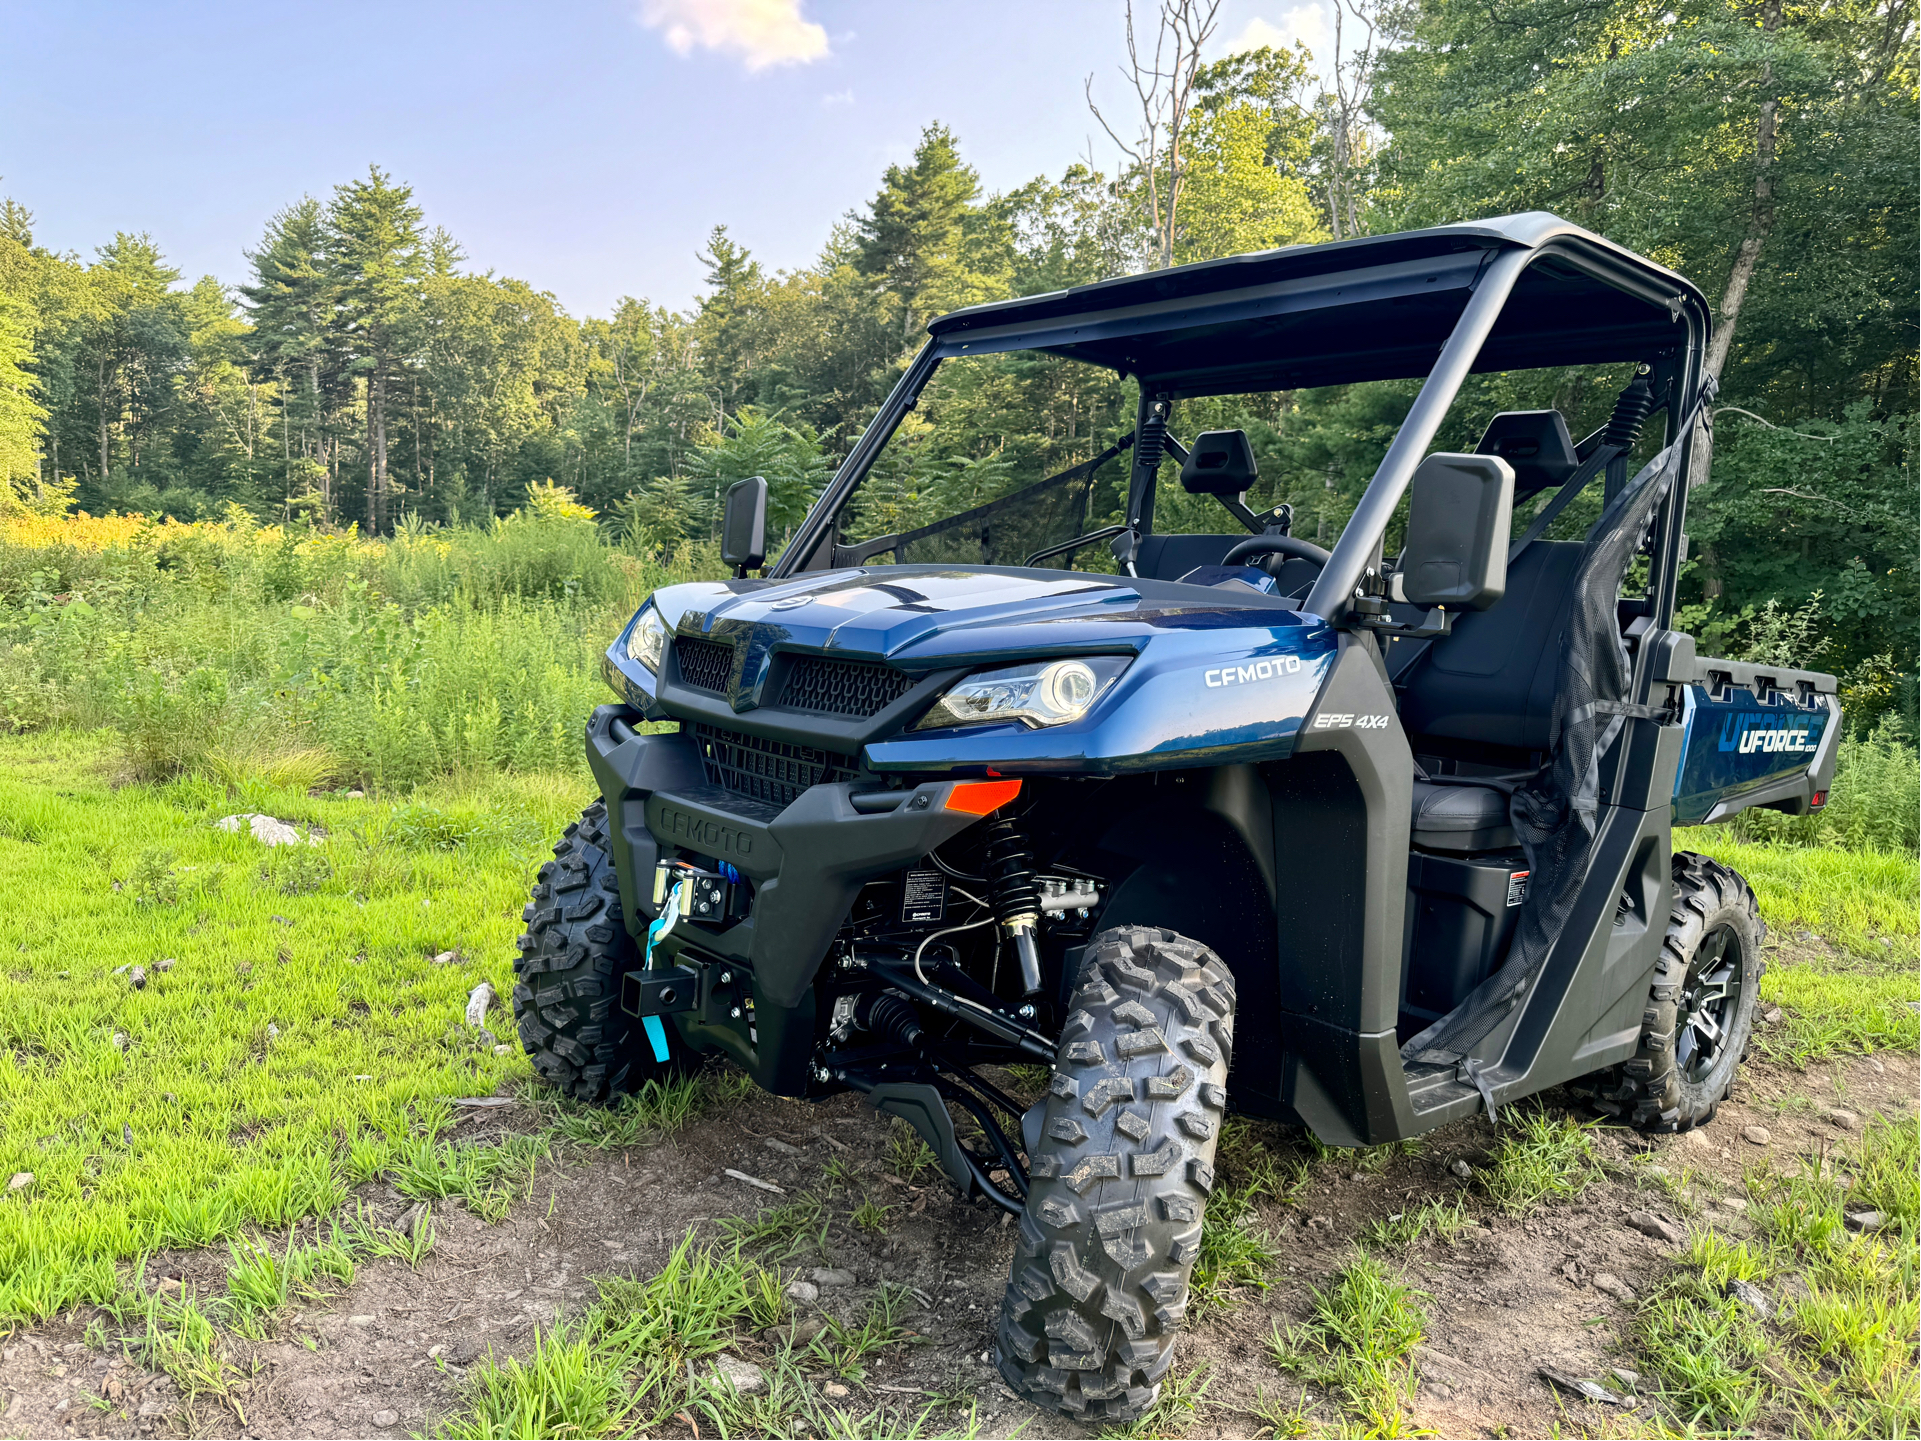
293	1036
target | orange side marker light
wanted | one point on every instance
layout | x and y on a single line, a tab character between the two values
979	798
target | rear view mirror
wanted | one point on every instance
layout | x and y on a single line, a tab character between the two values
1460	509
743	529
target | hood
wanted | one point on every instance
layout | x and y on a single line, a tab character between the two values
933	617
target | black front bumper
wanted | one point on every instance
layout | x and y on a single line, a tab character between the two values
807	862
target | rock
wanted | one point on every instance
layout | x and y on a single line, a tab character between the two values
744	1376
828	1276
360	1320
503	1050
1439	1390
463	1351
1759	1135
1844	1119
1772	1015
21	1180
265	829
1649	1224
1732	1203
1751	1296
1661	1171
273	1030
120	1040
137	978
1866	1222
833	1390
479	1000
1696	1140
1461	1169
773	1144
1609	1284
1879	1069
1320	1223
446	958
1575	1386
165	964
385	1419
153	1410
805	1292
1357	1176
1627	1378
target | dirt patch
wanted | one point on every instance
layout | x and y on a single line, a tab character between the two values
1504	1298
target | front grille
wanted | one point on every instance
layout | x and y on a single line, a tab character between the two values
704	664
842	687
772	772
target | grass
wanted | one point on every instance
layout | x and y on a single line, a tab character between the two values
1540	1158
1837	1358
641	1356
1358	1346
295	1045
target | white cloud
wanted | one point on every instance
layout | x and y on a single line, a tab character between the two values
1303	22
760	32
836	99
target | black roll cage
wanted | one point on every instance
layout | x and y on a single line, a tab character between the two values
1244	298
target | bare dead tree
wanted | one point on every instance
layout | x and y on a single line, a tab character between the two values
1353	77
1164	87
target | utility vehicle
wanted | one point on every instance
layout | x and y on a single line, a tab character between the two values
1198	821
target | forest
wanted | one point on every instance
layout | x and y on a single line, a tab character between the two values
363	374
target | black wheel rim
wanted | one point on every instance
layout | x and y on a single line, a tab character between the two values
1710	1004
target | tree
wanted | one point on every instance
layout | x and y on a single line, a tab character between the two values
1164	86
20	414
1249	150
375	261
729	317
291	305
925	242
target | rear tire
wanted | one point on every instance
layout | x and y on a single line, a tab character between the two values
1121	1177
1700	1012
574	957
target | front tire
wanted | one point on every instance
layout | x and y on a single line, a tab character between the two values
1700	1012
1121	1176
574	958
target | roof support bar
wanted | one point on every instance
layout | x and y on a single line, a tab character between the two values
1334	591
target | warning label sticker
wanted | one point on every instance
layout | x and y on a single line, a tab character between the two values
924	897
1516	887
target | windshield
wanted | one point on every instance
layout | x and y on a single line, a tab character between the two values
1006	458
1024	459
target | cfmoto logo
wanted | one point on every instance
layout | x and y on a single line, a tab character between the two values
1253	670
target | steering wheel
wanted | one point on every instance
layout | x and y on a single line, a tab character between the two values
1285	545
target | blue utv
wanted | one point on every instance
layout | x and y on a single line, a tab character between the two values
1198	816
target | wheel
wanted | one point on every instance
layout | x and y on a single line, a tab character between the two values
567	978
1700	1012
1120	1177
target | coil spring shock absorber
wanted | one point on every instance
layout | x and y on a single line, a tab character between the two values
1015	897
1631	408
1151	444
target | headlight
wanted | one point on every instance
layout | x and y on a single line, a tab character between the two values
1037	693
647	641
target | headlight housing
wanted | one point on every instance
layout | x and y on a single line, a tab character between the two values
647	641
1036	693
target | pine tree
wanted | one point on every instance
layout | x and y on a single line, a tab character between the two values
376	261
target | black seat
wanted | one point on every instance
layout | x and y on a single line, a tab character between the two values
1485	693
1169	557
1460	817
1492	680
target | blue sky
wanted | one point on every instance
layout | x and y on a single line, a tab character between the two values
586	147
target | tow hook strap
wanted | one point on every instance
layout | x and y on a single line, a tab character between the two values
657	1032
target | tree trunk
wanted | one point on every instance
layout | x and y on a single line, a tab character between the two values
379	419
1760	215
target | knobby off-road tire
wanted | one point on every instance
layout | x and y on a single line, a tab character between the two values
1700	1012
567	978
1121	1176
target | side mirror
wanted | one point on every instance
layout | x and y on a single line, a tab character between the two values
1460	510
743	528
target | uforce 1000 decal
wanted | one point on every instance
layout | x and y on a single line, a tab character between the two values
1746	734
